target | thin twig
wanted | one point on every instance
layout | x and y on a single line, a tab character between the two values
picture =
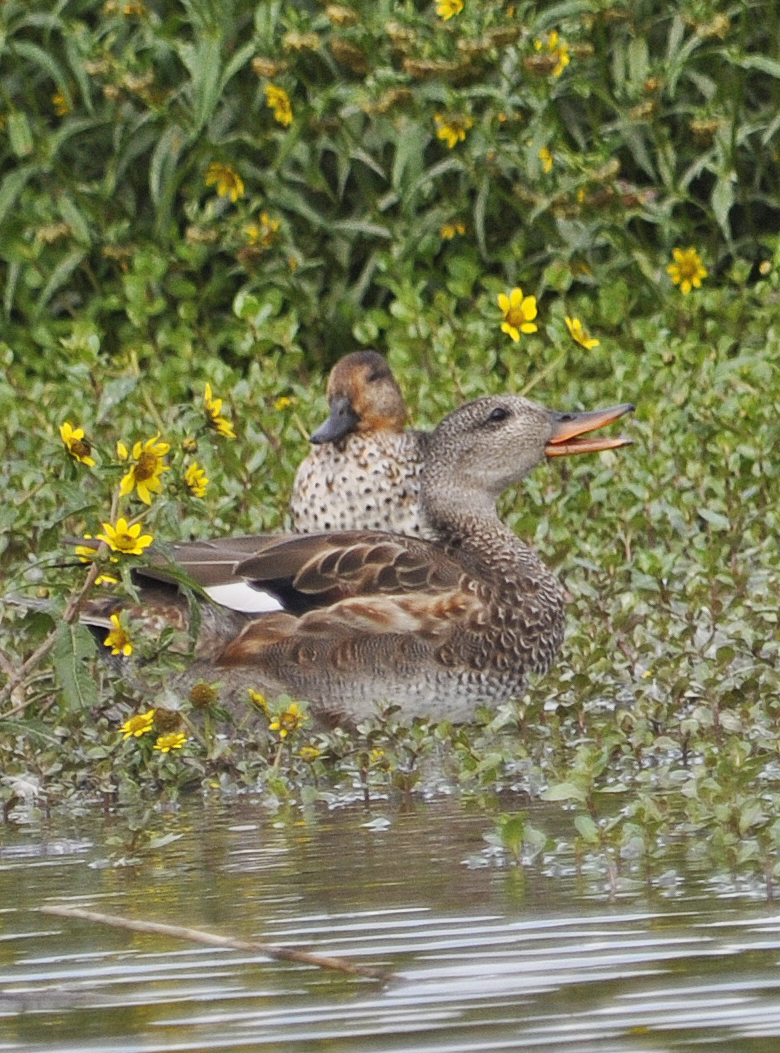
285	954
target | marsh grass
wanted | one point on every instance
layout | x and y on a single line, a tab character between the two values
134	272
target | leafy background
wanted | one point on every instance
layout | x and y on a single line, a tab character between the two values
430	163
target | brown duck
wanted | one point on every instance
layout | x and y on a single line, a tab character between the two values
366	616
363	472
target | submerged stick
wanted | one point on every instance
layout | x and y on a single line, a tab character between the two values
285	954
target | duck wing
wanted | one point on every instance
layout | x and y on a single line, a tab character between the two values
342	594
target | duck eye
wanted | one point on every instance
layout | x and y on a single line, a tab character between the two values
499	413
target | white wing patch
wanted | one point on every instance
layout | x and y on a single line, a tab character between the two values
240	596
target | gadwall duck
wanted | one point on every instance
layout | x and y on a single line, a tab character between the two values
436	627
363	472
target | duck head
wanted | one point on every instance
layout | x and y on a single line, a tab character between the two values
363	396
490	444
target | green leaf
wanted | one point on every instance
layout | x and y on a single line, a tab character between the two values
587	829
19	134
73	647
41	58
74	218
722	199
60	275
715	519
162	168
564	791
760	62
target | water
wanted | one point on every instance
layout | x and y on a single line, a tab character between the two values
486	956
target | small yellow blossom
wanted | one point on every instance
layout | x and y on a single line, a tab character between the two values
448	230
227	181
86	553
214	414
546	158
173	741
447	8
309	753
519	312
558	50
138	725
125	538
258	700
61	104
263	233
119	639
574	325
288	721
279	102
196	479
145	474
687	270
77	445
282	403
451	129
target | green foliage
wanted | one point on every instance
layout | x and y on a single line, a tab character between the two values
546	145
162	228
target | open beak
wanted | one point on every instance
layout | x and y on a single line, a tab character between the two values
568	429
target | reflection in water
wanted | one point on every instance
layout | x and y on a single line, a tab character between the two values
487	957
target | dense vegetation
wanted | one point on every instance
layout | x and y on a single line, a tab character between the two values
235	194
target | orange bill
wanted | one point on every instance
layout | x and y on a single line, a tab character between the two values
569	429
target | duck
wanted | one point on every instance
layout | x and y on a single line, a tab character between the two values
347	620
363	471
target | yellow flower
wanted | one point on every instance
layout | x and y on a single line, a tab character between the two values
226	179
119	639
279	102
448	230
263	233
282	403
687	270
125	538
447	8
574	325
61	104
87	553
215	419
519	312
77	445
309	753
258	700
195	477
452	130
138	725
173	741
148	468
288	721
558	50
546	158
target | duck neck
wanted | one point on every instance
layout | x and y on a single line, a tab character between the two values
471	526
